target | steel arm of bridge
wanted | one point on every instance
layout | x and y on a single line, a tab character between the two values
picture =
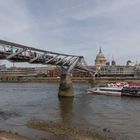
68	69
16	53
96	72
61	60
65	69
84	67
34	59
51	59
69	60
72	66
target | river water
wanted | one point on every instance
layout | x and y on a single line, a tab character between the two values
22	102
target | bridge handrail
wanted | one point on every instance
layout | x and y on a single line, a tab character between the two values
3	42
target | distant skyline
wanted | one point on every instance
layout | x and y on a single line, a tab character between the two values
78	27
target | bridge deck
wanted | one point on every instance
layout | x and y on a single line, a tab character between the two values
20	53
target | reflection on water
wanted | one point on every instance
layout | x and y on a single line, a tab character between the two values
22	102
66	109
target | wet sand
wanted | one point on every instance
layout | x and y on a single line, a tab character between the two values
11	136
59	130
69	132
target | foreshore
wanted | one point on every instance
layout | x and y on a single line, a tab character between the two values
67	131
11	136
59	130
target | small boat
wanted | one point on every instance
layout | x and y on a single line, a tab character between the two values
115	90
120	84
131	91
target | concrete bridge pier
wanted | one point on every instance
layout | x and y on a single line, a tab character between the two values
66	88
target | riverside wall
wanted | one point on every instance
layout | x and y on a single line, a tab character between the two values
38	79
41	79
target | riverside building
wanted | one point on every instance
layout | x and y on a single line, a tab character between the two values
111	69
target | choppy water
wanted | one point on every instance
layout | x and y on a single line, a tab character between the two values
22	102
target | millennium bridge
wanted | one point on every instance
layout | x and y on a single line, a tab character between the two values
66	63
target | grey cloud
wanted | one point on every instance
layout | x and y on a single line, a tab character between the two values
74	27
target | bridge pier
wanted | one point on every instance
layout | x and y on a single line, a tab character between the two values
66	88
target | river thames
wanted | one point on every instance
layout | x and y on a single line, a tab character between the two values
22	102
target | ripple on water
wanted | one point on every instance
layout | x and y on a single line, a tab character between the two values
21	102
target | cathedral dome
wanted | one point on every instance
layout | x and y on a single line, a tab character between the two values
100	59
100	55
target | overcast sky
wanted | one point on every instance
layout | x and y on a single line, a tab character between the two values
77	27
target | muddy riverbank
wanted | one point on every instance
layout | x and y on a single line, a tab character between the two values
11	136
67	131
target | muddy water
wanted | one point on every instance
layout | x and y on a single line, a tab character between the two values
20	103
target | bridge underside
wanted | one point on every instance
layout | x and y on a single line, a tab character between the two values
66	63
